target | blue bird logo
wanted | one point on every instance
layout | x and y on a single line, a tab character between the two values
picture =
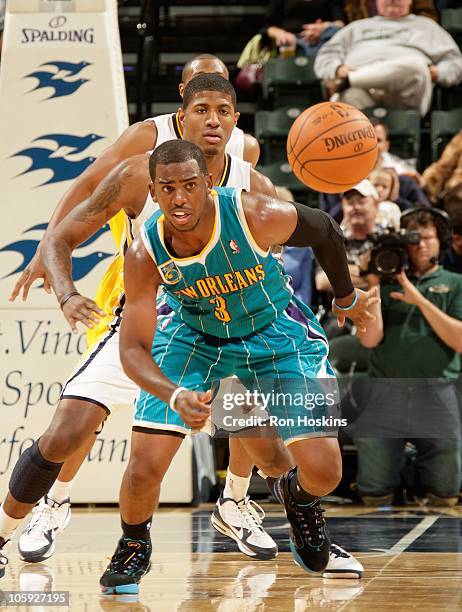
81	266
57	159
57	77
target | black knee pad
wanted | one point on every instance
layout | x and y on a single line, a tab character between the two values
32	476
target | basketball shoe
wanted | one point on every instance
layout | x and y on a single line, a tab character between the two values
130	562
309	536
37	541
341	563
3	559
242	521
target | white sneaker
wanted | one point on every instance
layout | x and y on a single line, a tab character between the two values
342	564
242	521
36	542
3	559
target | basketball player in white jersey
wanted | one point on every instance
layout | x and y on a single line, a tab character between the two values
209	115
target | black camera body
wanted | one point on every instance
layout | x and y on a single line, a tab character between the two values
389	253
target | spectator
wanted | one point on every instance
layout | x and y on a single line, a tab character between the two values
387	159
445	173
392	59
361	9
452	258
297	262
301	24
415	341
386	183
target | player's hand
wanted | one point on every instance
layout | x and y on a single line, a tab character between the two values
410	295
81	309
360	314
33	271
194	407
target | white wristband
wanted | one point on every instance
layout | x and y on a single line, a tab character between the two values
174	395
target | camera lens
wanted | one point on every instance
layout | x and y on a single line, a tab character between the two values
387	261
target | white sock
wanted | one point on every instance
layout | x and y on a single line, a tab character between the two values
236	487
8	524
60	490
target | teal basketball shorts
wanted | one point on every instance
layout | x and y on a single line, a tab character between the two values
283	372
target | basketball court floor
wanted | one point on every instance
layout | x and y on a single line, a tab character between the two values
412	560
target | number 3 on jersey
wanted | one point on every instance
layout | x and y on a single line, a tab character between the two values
221	311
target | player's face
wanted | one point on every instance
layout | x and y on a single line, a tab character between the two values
394	9
181	191
422	254
209	120
204	66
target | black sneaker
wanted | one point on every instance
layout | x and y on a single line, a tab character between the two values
309	538
129	563
3	559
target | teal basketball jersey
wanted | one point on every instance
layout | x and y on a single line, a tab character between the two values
233	287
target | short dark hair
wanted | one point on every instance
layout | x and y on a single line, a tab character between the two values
176	152
456	220
375	121
201	56
208	82
412	220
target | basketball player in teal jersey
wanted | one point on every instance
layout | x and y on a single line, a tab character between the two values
210	250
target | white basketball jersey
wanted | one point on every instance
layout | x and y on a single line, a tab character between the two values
168	128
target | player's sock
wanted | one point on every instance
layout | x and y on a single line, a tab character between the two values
236	487
300	495
60	491
137	532
8	524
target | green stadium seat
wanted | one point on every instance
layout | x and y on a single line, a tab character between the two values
281	175
443	127
290	81
451	20
403	129
271	129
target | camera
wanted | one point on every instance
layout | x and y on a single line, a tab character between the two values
389	253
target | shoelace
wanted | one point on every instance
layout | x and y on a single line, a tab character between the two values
126	559
42	520
312	521
252	513
338	552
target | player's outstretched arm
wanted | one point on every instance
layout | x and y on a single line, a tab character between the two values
139	324
289	223
124	188
138	138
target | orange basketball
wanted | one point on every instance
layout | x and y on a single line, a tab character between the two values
332	147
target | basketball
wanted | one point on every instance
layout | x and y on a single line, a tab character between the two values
332	147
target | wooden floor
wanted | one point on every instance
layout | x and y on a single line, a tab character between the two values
412	559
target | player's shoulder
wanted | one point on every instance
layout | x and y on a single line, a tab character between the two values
134	166
138	138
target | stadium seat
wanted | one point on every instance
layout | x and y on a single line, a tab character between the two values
281	175
403	128
291	81
271	129
451	20
444	125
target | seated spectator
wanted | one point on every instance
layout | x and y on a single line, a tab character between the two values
387	159
297	262
445	173
303	25
361	9
416	341
452	258
386	183
392	59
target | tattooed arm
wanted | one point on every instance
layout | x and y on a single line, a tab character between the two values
124	188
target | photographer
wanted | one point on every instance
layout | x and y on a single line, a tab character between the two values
416	340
